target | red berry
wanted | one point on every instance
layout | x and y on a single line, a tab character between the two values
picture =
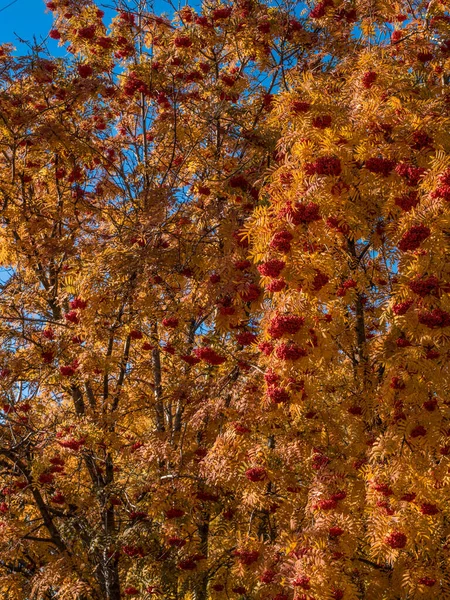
271	268
369	79
299	106
256	474
267	576
290	351
85	70
46	478
302	582
380	166
418	431
427	581
174	513
322	121
282	324
327	504
413	238
170	322
396	540
325	165
278	395
429	509
335	531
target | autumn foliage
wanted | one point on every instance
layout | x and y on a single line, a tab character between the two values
224	307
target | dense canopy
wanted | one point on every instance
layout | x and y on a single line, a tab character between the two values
224	308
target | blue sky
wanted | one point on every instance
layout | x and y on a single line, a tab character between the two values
26	19
29	19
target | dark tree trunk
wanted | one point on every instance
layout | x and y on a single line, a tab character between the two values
200	592
108	578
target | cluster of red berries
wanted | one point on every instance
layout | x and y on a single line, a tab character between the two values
251	293
319	460
189	359
133	551
402	307
410	173
301	213
271	268
369	78
58	498
238	182
443	191
427	581
78	303
322	121
429	509
134	84
413	238
72	317
69	370
320	280
209	355
418	431
174	513
436	318
290	351
324	165
346	285
256	474
302	582
246	557
271	378
282	324
407	201
408	497
131	590
421	140
299	106
424	286
72	444
383	488
85	70
170	322
266	348
222	13
246	338
396	539
182	41
320	9
281	241
176	542
278	395
276	285
327	504
380	166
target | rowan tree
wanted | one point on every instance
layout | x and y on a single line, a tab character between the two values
224	312
127	174
352	246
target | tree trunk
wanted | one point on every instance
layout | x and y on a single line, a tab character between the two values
200	592
108	578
